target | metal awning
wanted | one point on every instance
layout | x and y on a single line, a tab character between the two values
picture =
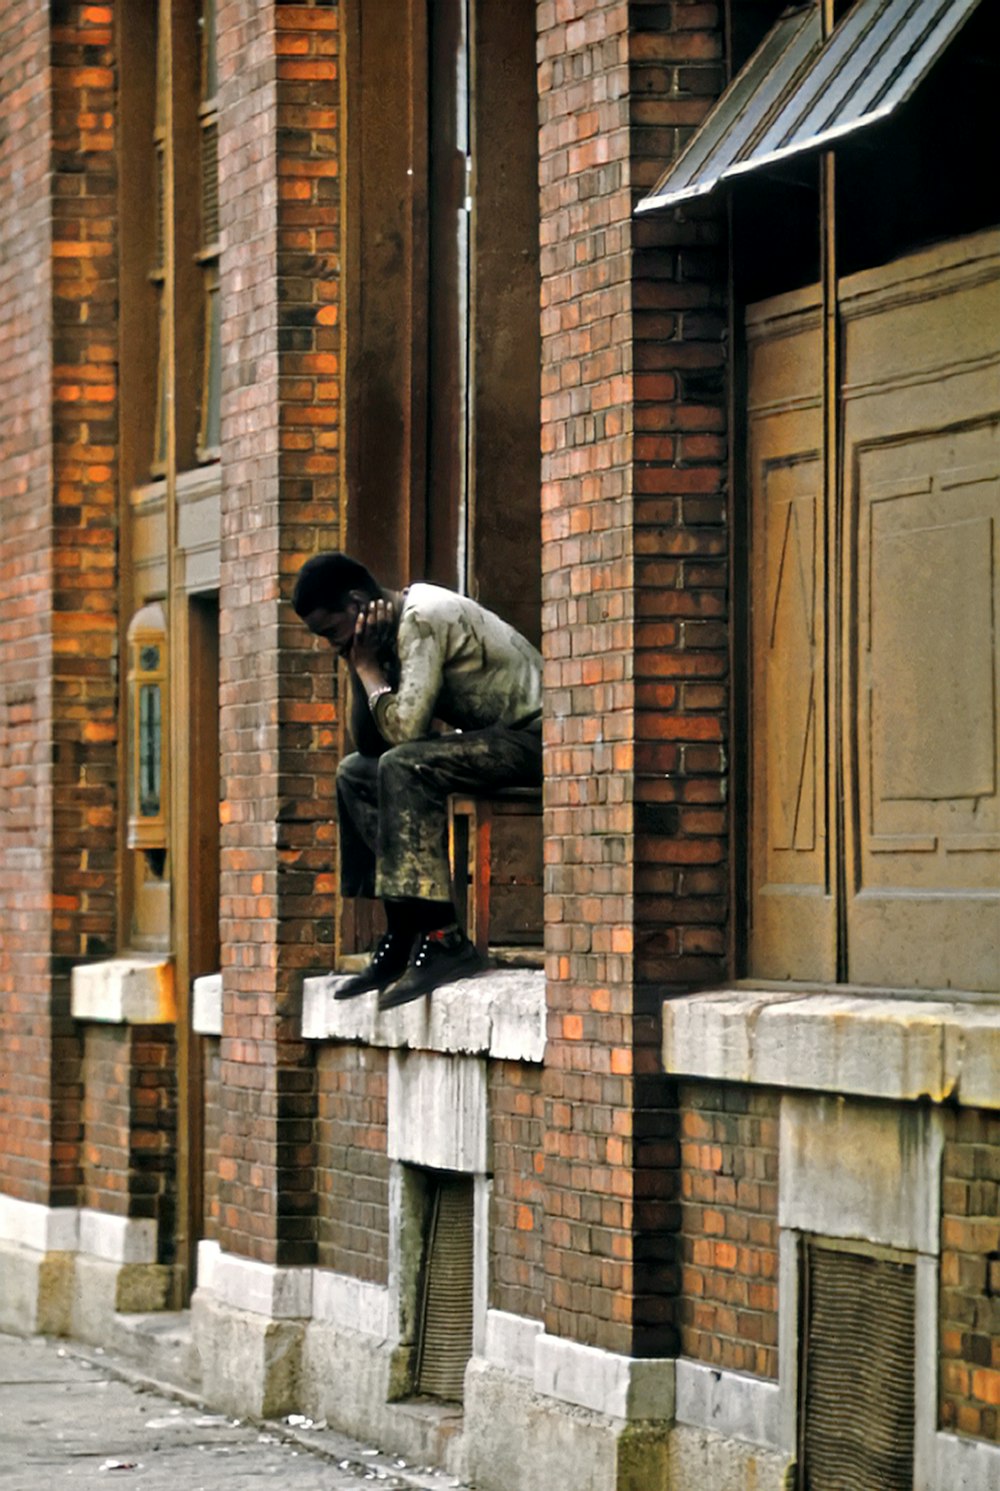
798	92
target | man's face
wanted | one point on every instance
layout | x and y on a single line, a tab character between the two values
335	627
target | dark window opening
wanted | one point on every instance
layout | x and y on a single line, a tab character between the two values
748	22
925	174
776	231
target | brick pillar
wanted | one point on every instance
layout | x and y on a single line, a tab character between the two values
58	622
969	1320
633	562
279	283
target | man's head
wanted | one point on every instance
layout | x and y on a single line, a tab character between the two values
330	591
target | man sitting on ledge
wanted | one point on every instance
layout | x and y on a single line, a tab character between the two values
418	657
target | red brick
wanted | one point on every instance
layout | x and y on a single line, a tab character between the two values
58	541
969	1380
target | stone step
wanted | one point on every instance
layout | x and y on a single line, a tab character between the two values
159	1344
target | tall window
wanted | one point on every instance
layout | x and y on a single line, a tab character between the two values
186	146
208	253
170	433
158	270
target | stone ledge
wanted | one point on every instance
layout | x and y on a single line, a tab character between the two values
137	990
318	1293
960	1464
511	1341
74	1229
730	1403
623	1387
45	1229
499	1014
117	1239
844	1041
206	1012
351	1304
269	1290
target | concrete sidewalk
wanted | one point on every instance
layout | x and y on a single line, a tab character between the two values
73	1416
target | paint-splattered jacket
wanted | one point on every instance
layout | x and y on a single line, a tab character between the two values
458	663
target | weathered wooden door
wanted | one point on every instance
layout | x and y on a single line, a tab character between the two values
921	538
793	925
875	669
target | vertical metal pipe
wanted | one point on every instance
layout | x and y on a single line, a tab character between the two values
175	19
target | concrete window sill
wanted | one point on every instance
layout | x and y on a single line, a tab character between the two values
206	1014
133	990
846	1041
499	1014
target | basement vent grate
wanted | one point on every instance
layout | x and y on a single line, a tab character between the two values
446	1327
209	183
858	1368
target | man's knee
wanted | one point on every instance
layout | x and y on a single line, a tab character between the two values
355	769
399	761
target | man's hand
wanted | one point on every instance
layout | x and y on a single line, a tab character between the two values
372	631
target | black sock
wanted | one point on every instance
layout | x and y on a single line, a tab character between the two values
413	915
399	918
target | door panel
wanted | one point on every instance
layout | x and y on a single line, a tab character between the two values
921	563
924	908
917	529
793	929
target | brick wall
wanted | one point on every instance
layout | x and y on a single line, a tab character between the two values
679	548
153	1153
85	533
970	1275
634	605
58	624
25	572
130	1125
85	420
106	1119
212	1099
729	1227
352	1163
280	461
517	1144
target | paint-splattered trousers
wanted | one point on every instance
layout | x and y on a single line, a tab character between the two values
394	808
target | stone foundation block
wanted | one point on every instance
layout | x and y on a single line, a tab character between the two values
348	1378
556	1443
248	1364
37	1293
700	1460
103	1288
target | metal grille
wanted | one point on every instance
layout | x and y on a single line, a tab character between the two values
446	1330
209	183
858	1362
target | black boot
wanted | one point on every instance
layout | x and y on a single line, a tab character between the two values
439	957
388	961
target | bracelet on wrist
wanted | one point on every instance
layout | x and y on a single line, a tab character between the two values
375	695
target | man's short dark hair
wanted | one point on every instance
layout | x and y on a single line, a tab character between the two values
326	580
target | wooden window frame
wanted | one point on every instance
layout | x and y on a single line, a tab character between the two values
208	449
